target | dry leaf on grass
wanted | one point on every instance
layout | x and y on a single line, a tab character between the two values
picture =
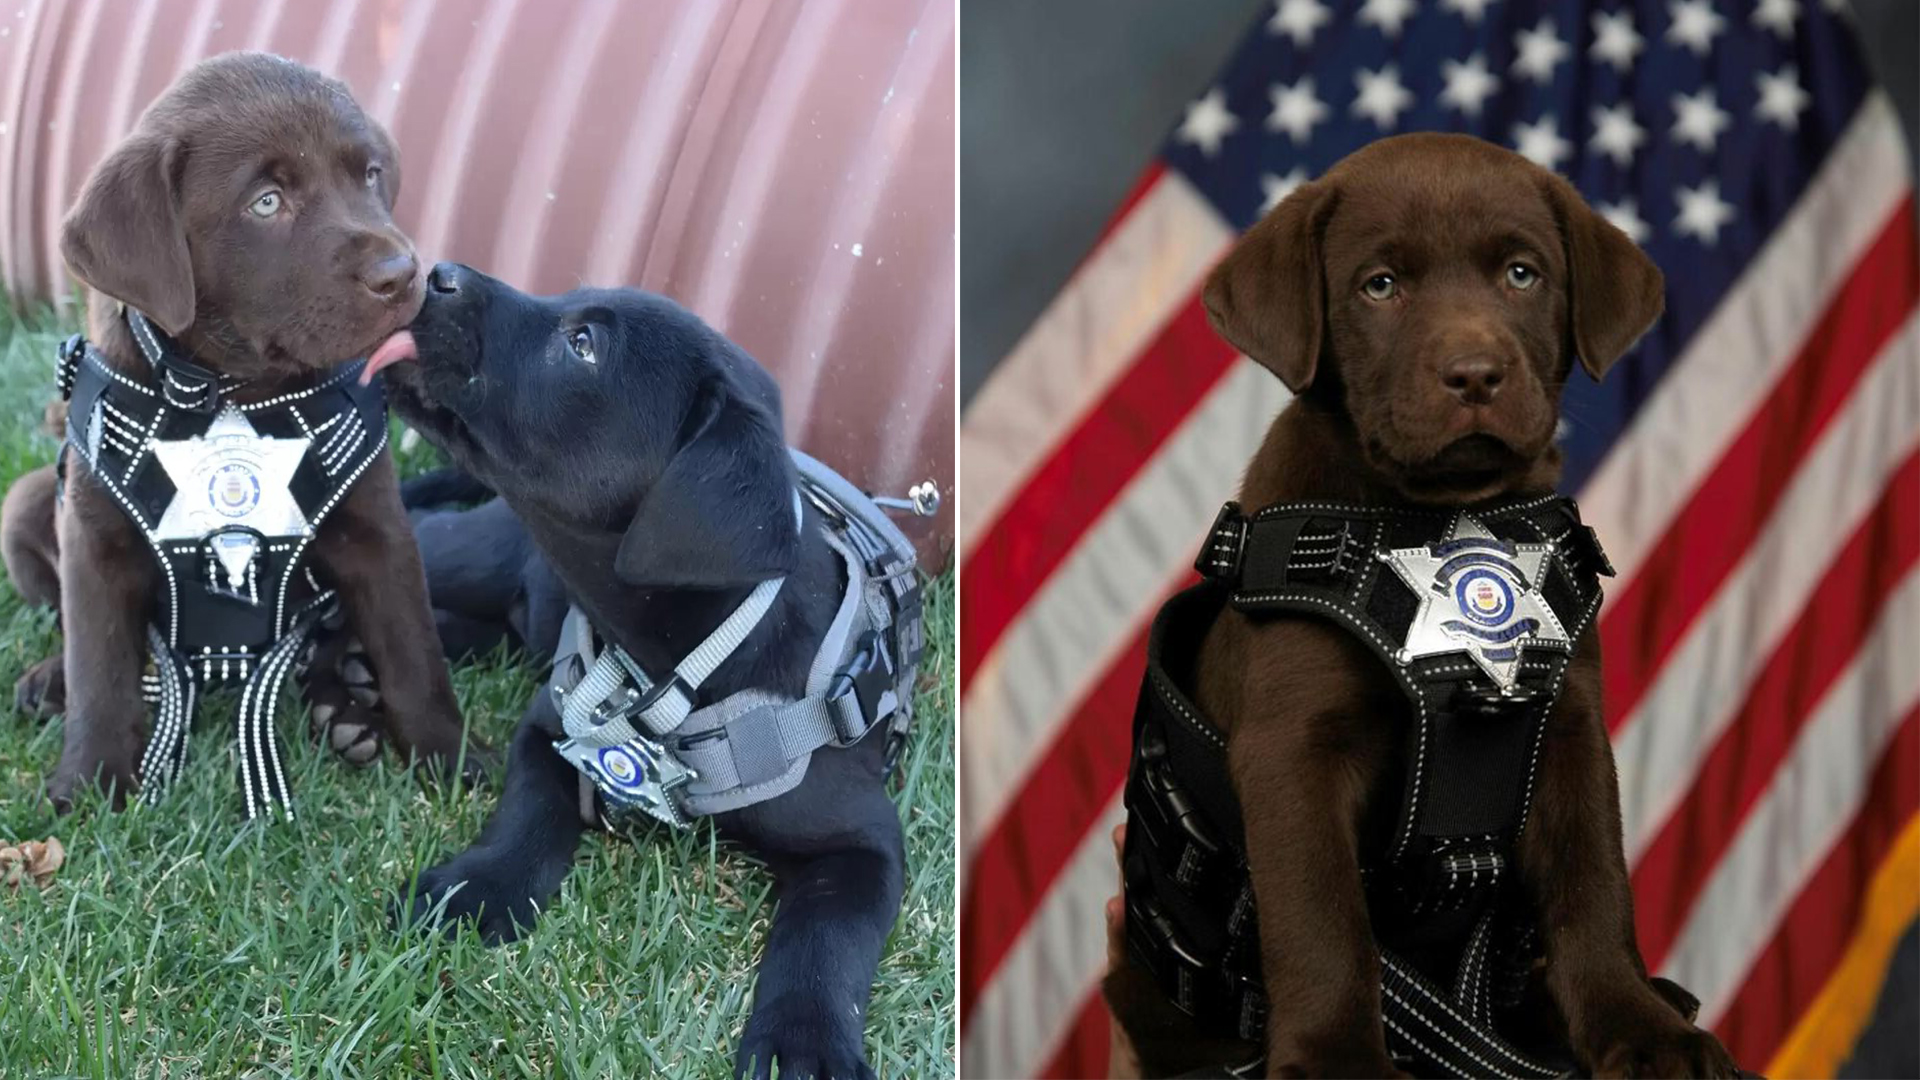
34	859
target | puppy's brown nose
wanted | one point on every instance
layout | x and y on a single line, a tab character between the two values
390	277
1473	379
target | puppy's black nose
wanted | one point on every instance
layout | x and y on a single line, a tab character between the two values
1474	379
390	277
446	277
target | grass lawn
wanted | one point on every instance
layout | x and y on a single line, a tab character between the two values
179	941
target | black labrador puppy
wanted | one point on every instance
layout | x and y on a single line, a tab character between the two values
644	453
486	579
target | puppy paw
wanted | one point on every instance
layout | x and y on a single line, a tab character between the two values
804	1041
65	790
1664	1050
42	691
476	765
351	731
343	699
492	898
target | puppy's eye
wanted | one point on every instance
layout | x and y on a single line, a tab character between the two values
1380	287
580	343
267	205
1522	276
373	175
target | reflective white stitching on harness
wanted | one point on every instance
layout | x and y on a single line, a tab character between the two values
345	442
313	526
336	379
143	331
333	441
126	423
92	358
123	441
1172	697
1427	1050
1421	988
1432	1055
140	454
1539	735
146	530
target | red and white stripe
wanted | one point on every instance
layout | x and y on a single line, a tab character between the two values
1763	511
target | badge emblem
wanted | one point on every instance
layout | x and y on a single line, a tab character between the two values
622	768
234	490
230	476
635	773
1479	595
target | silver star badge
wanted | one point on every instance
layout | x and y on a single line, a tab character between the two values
231	476
1479	595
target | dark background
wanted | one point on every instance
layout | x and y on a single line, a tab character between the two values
1063	103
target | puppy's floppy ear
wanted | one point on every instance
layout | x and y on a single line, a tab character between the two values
1615	292
721	514
1268	296
125	236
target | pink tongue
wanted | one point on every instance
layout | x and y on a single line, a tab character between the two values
398	347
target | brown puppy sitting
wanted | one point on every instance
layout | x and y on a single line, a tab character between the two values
1426	301
248	218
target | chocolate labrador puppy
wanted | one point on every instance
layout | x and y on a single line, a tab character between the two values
645	455
248	216
1426	300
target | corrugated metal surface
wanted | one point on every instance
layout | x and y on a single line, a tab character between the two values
783	168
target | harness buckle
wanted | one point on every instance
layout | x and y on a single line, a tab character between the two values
1220	556
1587	542
869	676
618	706
1487	703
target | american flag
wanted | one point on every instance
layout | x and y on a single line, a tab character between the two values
1751	468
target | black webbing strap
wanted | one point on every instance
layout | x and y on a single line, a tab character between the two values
1435	1032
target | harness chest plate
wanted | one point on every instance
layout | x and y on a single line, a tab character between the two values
229	497
1474	613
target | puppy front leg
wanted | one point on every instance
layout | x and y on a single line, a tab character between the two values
836	850
368	550
1308	742
1575	869
527	846
1318	959
108	573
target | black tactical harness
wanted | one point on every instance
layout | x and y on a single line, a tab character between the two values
229	497
1475	612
